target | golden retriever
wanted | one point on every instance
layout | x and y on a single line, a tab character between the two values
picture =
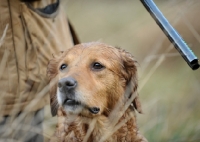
94	93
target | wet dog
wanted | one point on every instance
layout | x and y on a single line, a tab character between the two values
94	93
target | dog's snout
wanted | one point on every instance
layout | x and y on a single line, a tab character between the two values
68	82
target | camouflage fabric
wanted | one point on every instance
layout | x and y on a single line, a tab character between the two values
30	32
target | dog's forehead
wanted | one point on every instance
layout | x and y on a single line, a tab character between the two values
93	50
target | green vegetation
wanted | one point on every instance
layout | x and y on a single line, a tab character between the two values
169	89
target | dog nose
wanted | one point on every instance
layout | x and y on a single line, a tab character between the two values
68	82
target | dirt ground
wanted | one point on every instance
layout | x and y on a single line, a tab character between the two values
169	89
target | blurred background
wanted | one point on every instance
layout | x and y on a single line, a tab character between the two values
169	89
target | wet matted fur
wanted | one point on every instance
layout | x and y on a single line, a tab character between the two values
93	90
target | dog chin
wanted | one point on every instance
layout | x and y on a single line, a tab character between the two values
69	105
74	109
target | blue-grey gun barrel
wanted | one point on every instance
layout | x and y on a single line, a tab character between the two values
172	34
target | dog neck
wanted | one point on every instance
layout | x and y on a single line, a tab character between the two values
76	128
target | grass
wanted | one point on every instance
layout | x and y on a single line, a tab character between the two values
169	89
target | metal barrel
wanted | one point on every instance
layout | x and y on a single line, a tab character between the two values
172	34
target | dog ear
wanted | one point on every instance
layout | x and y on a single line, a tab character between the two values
129	72
52	71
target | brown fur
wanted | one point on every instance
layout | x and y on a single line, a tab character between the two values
29	0
113	89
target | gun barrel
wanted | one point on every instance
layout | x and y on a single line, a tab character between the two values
172	34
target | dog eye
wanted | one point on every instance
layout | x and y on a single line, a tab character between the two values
63	66
97	66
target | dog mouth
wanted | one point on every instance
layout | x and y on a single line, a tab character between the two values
71	102
76	104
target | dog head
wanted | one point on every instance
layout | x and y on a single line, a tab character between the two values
91	78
